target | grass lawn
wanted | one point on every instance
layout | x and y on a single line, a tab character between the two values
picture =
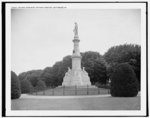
29	102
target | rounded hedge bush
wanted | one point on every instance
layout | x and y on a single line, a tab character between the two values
123	81
26	86
15	86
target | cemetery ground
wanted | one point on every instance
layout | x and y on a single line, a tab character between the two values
102	101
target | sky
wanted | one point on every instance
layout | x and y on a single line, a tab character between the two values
41	37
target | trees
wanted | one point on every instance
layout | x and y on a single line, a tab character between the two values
95	65
32	76
123	81
99	67
124	53
47	77
15	86
26	86
57	73
40	85
59	69
92	61
100	73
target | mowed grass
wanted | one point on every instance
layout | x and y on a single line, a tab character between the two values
67	91
95	102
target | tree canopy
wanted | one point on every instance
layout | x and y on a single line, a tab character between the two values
40	85
26	86
124	53
32	76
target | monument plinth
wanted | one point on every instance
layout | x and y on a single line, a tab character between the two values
76	76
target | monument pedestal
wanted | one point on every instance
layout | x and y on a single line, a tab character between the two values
76	78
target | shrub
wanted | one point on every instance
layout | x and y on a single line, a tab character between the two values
26	86
15	86
40	85
123	81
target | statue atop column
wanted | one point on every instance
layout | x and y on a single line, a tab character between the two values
75	29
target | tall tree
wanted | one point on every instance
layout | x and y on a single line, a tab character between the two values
100	73
57	73
15	86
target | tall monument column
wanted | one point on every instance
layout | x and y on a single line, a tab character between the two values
76	57
76	76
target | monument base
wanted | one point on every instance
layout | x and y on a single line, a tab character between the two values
76	78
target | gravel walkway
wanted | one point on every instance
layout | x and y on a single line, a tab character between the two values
95	102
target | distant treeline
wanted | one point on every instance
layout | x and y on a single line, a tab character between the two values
99	67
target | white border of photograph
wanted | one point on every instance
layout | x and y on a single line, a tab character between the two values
141	112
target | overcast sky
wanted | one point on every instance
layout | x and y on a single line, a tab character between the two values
40	37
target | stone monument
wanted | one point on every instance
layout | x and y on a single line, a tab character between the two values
76	76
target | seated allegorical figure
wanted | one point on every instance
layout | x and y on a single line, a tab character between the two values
84	71
69	69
